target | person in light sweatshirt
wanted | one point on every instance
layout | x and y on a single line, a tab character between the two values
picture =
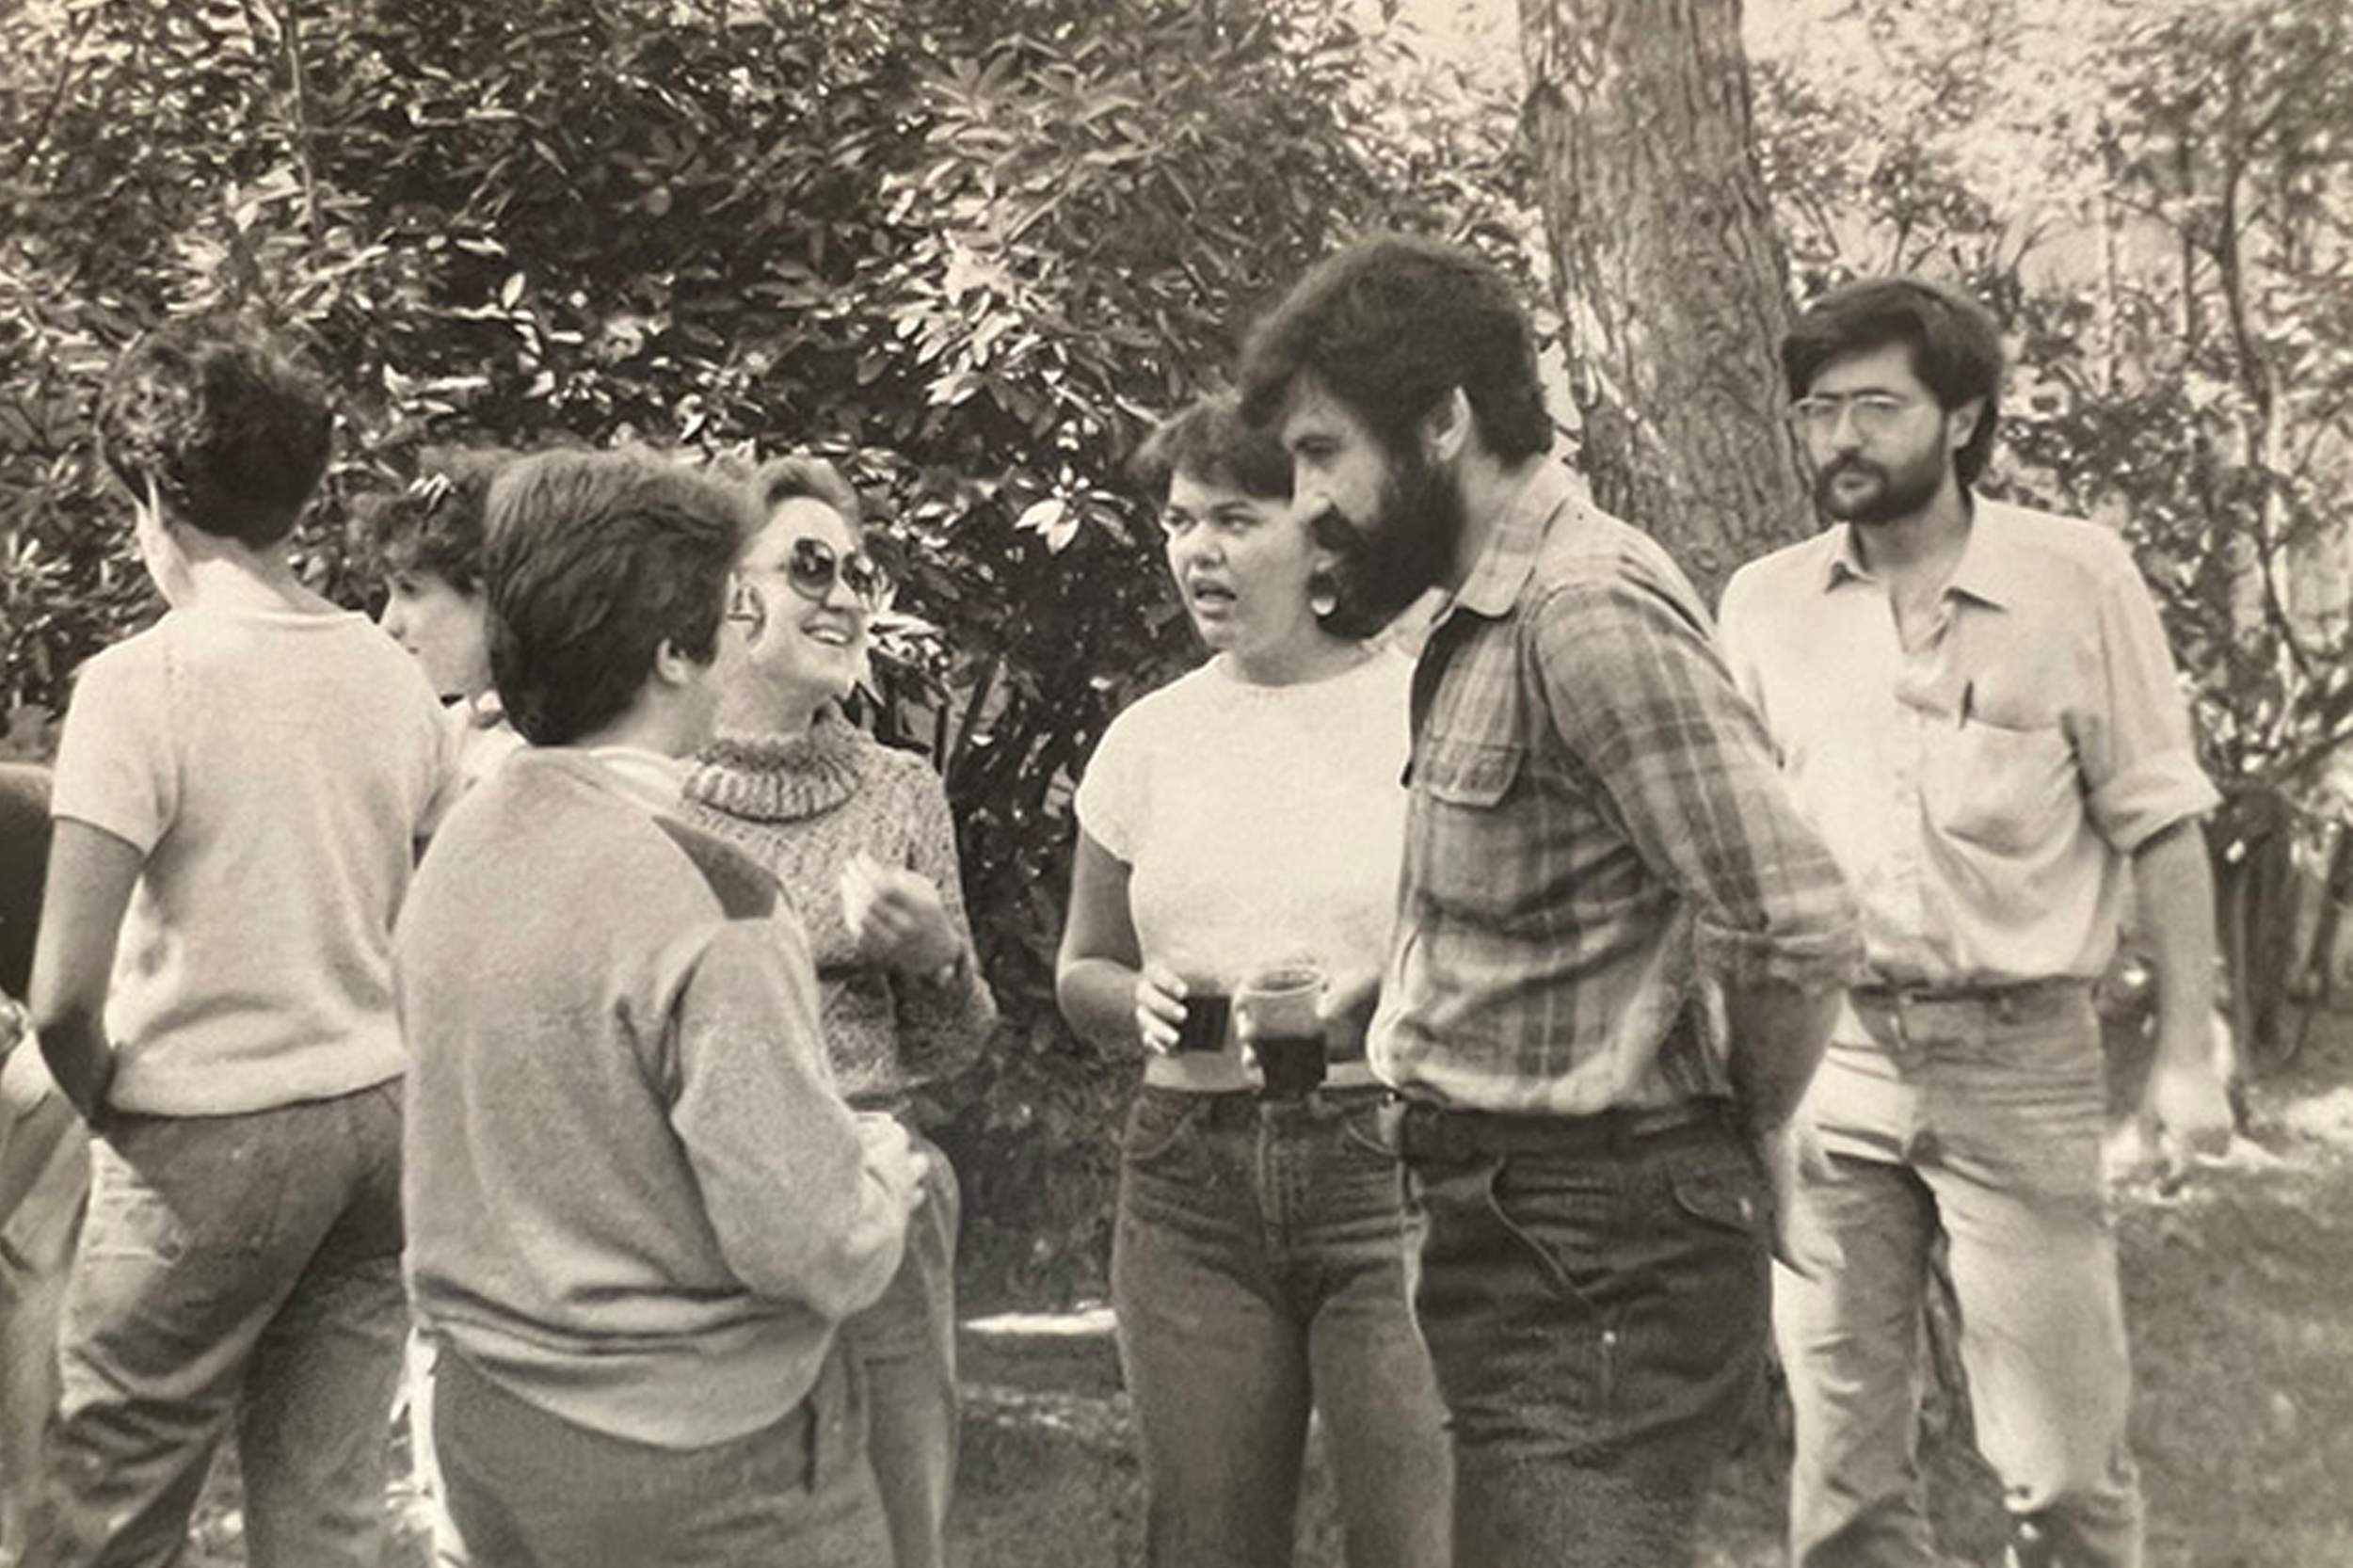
638	1206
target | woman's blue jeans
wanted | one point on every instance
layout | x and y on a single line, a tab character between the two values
1262	1267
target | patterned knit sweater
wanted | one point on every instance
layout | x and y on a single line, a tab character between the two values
803	807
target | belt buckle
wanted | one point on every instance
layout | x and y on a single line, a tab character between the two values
1896	1003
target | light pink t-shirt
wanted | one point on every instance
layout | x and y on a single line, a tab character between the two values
278	770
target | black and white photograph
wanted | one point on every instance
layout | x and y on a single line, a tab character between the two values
1175	783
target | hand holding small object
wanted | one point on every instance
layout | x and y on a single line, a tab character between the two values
898	917
1159	1008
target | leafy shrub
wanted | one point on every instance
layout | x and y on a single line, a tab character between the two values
970	250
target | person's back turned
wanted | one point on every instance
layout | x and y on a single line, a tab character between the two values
638	1204
239	793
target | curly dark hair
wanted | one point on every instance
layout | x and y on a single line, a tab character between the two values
1390	326
1210	439
434	525
227	426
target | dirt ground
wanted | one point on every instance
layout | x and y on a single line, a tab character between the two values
2239	1288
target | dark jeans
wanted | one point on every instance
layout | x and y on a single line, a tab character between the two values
235	1270
1262	1265
1595	1294
906	1349
528	1488
44	1178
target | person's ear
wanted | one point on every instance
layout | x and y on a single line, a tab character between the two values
671	666
1961	423
1447	428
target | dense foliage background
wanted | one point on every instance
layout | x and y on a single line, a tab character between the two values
972	247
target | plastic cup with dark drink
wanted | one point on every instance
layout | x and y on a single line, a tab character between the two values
1207	1013
1281	1019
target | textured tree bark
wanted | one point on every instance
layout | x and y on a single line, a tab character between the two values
1671	278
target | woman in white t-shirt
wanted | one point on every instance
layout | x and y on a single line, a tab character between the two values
1249	816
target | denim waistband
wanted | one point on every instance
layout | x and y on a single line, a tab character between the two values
1435	1133
1247	1106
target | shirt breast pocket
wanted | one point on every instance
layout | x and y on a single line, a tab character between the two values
1472	845
2012	792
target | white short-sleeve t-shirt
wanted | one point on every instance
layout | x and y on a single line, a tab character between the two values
277	769
1259	824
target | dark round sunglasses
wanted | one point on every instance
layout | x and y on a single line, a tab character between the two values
814	567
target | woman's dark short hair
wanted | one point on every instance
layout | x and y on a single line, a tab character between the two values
1956	348
434	525
1392	325
592	560
230	429
1208	439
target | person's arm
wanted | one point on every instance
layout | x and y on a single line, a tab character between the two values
1773	1087
2186	1104
809	1202
2146	794
1105	992
1648	708
91	875
944	1008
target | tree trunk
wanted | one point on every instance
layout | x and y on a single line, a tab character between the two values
1672	278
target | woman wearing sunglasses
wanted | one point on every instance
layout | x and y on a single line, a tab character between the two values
860	837
1245	815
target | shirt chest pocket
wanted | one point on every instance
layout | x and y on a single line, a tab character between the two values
1471	845
2012	792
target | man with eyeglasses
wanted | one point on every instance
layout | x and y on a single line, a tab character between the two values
1975	704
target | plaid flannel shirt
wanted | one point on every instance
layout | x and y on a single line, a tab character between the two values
1597	828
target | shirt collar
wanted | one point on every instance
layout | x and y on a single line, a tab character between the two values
1510	556
653	779
1988	571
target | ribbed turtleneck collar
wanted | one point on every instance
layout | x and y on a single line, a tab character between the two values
782	778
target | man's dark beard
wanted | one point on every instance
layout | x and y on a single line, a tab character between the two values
1391	559
1902	491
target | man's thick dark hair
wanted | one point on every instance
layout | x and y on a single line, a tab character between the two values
1209	439
592	560
434	527
1392	325
1956	348
230	429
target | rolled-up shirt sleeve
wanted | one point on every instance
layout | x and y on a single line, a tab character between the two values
1643	701
2133	741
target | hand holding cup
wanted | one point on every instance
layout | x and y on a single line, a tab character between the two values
1159	1008
1175	1017
1281	1013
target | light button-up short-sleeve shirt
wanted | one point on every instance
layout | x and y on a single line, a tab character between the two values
1984	788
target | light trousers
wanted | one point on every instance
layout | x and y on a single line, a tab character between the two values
1981	1123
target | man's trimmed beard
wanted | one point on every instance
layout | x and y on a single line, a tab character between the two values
1902	491
1391	559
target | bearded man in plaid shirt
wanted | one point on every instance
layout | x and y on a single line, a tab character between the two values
1618	945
